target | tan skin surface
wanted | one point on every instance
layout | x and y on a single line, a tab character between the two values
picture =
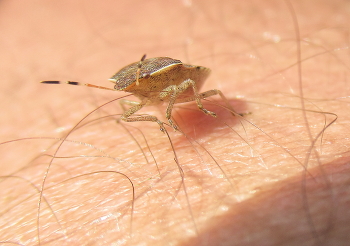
252	190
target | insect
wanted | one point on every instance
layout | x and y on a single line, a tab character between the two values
158	80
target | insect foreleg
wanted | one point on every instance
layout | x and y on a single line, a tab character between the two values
127	115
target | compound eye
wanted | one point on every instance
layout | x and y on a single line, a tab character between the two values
146	75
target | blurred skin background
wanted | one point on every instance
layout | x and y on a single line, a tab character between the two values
282	181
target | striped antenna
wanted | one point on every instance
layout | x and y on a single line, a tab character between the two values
52	82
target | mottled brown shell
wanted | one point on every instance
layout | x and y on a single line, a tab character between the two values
127	75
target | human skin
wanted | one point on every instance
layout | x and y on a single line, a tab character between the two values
254	186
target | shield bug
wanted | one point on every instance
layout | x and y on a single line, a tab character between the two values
158	80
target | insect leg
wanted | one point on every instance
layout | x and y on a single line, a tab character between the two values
127	115
174	91
206	94
124	102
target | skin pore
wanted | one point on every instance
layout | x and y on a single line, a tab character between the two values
265	183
